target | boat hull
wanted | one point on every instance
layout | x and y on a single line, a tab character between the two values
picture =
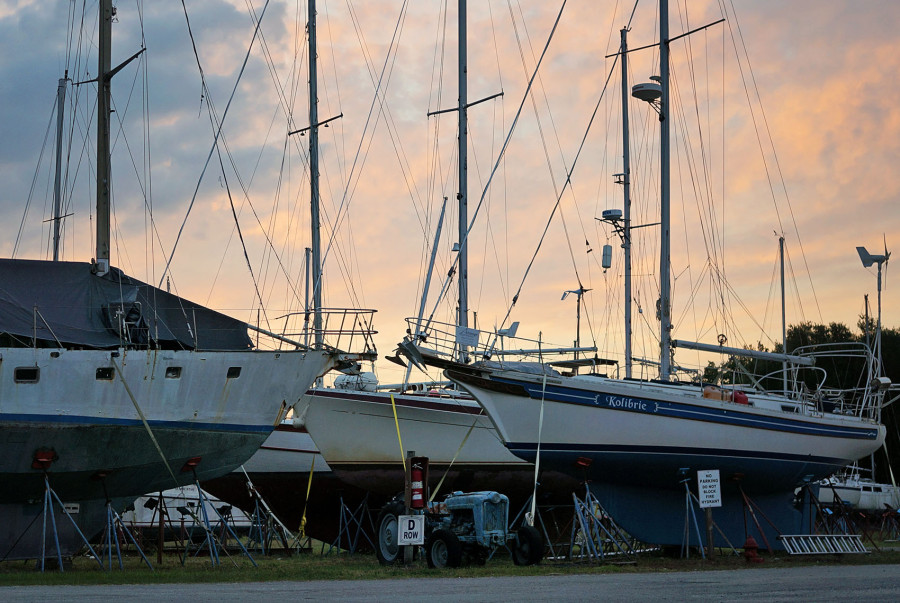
636	442
357	435
136	417
863	495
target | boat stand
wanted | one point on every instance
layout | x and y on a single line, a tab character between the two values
538	521
350	525
265	527
212	543
42	460
689	513
115	531
595	533
890	526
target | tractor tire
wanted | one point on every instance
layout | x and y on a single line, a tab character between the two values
443	549
528	548
388	532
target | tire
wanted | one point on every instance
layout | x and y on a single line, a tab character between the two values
387	549
528	548
443	549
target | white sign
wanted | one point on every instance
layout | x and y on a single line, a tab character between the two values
708	488
410	529
467	337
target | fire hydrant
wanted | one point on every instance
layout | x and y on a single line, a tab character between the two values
750	549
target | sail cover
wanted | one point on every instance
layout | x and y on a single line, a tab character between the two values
66	302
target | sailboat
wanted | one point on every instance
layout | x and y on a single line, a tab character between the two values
639	443
364	430
112	387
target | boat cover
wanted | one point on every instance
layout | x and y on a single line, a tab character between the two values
76	307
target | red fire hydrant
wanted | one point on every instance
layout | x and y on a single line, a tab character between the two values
750	549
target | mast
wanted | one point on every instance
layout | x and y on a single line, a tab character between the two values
665	319
462	115
57	183
101	266
784	349
314	178
626	188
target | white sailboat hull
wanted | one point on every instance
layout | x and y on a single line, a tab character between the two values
358	436
863	494
93	424
640	445
642	433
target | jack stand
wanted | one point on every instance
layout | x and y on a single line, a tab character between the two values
265	525
349	521
210	539
589	520
538	520
42	460
689	513
114	523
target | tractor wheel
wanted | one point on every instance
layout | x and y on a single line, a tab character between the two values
388	551
528	548
443	549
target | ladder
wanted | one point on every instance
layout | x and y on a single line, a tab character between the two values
822	544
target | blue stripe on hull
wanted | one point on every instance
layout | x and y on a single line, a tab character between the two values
730	416
62	420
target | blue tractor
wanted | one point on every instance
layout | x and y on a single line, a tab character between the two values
463	528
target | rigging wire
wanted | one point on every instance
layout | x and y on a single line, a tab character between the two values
512	129
765	123
220	122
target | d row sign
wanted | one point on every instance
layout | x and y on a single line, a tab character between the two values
410	529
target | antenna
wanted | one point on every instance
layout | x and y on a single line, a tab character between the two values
867	260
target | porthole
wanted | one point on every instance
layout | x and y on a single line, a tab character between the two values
173	372
233	372
27	374
105	373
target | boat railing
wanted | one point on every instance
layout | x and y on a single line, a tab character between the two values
808	380
446	342
346	330
862	389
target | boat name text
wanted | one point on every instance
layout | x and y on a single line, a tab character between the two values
623	403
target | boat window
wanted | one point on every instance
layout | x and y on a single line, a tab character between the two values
105	373
173	372
788	408
27	374
233	372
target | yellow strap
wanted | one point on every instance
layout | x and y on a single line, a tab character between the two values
312	468
399	439
453	460
143	420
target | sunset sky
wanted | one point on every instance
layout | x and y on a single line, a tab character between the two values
786	121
